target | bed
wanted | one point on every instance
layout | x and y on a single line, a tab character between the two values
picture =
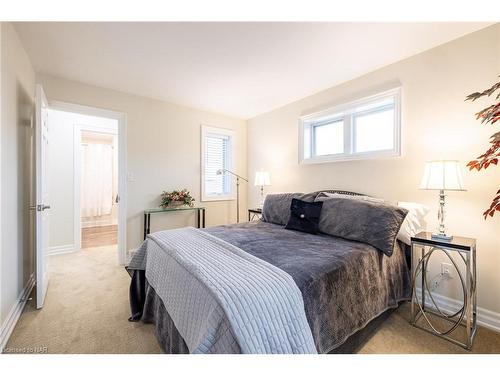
347	287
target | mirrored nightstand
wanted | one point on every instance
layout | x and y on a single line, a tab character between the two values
254	214
457	324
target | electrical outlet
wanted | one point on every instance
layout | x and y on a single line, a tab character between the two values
446	270
435	285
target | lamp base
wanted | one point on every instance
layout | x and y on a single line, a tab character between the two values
442	236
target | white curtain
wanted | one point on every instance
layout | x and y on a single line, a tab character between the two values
97	180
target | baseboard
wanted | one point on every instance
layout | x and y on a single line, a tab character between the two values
485	318
63	249
15	313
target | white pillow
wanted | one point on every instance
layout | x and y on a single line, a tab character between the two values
414	222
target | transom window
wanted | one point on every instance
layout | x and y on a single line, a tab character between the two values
217	156
364	129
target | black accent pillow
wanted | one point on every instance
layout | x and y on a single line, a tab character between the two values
304	216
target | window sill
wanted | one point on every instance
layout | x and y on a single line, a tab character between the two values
360	156
217	199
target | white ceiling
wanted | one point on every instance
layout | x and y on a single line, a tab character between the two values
239	69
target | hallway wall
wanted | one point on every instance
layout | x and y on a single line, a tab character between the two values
63	231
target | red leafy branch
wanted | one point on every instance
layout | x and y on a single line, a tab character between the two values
489	157
495	206
488	92
490	115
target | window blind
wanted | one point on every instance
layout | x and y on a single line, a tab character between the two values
216	158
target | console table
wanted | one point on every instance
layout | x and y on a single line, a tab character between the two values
200	216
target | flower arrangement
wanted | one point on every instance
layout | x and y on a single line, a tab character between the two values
176	198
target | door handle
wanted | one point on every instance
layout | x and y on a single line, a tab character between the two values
42	207
117	199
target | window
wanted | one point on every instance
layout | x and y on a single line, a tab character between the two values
217	156
363	129
329	138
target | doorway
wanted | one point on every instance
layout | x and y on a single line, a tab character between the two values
98	177
58	165
87	179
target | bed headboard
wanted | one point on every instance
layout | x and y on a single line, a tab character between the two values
338	192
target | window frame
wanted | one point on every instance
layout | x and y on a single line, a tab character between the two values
346	112
222	132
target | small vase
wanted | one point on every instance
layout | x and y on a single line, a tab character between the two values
176	204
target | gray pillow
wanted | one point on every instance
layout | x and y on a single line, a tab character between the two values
309	197
374	223
324	195
276	207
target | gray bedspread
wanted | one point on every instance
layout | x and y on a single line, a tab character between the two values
344	284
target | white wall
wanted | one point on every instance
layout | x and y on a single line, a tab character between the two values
163	152
436	123
17	92
61	174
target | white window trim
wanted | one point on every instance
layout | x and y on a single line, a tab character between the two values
349	129
220	131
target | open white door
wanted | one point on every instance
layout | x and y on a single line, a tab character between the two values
42	196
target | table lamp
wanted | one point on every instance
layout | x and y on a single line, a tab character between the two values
442	175
262	179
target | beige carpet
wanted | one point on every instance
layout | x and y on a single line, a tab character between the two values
86	311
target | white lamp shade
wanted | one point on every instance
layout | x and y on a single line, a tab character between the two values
442	175
262	179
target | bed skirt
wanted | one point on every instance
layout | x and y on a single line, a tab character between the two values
171	342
